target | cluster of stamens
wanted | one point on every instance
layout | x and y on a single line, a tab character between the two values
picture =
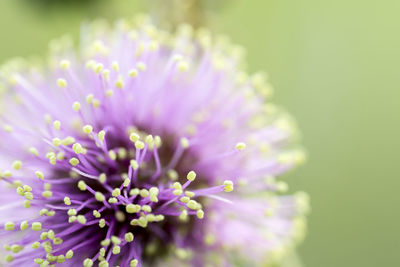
103	201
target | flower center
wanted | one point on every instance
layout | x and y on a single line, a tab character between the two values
121	192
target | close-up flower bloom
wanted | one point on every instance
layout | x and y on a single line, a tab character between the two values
144	147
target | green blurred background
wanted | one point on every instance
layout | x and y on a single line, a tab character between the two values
335	65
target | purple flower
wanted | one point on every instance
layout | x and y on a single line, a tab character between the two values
144	148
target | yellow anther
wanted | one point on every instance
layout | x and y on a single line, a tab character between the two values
153	191
133	263
132	208
39	175
119	83
82	185
116	192
102	223
50	234
172	174
36	226
106	74
89	98
109	93
157	141
36	245
184	199
16	248
134	164
102	178
46	186
139	145
87	263
101	135
228	186
27	204
24	225
103	263
144	193
129	237
120	216
116	250
134	192
8	128
17	184
96	214
177	185
20	191
28	196
64	64
56	141
77	148
133	73
98	68
183	66
112	155
39	261
43	236
191	176
62	83
184	215
142	221
9	258
146	208
27	188
17	164
34	151
159	218
141	66
68	141
47	194
149	140
51	213
240	146
193	205
87	129
105	243
74	161
102	252
81	219
60	259
134	137
184	142
115	66
177	192
69	254
189	193
96	103
112	200
200	214
72	212
43	211
60	155
67	201
57	125
76	106
282	187
100	197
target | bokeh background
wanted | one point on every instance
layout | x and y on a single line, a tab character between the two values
335	66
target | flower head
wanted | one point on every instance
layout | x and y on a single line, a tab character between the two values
144	148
